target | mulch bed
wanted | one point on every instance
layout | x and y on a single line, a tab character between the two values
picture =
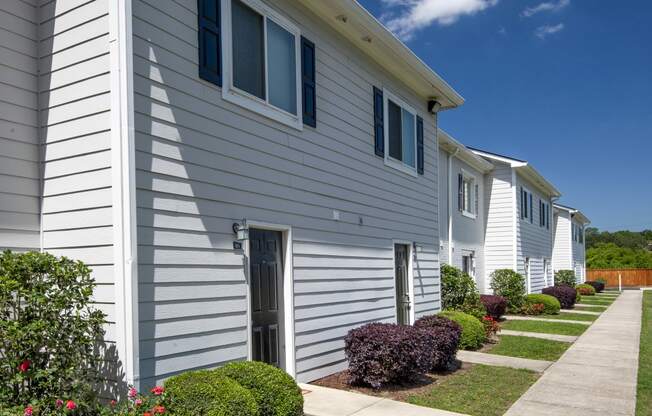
398	392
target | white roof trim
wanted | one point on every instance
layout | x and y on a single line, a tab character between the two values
511	162
450	145
575	213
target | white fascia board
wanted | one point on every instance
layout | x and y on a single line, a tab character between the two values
123	172
451	145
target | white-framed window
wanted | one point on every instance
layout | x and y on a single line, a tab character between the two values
527	210
546	271
262	61
468	264
469	195
544	214
400	134
528	279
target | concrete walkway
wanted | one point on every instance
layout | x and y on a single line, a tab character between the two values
475	357
597	374
551	337
535	318
323	401
562	311
586	305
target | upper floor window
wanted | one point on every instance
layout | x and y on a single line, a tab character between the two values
262	54
527	211
544	214
578	235
468	194
400	134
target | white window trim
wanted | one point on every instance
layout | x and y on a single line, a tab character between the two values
389	161
233	94
410	266
527	218
468	175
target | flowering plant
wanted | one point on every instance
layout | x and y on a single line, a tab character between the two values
491	326
138	404
533	309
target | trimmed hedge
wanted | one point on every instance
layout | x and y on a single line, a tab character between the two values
495	305
387	353
585	290
473	333
565	277
510	285
566	295
597	285
446	335
206	392
275	392
550	303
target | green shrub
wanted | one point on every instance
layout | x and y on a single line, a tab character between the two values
565	277
49	331
206	392
550	304
276	393
510	285
473	332
585	290
459	292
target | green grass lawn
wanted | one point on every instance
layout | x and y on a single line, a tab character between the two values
560	328
479	391
572	317
591	308
590	300
644	385
526	347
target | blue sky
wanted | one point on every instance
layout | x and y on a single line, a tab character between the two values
564	84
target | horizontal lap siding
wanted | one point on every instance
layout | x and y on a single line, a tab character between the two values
579	256
562	249
203	164
74	108
534	241
499	209
19	142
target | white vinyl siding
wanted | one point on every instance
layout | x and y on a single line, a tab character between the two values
19	140
562	252
203	163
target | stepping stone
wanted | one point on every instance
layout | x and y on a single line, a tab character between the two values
580	312
534	318
475	357
551	337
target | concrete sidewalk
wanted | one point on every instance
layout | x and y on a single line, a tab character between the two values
538	366
597	374
323	401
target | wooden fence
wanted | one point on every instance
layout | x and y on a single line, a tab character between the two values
630	277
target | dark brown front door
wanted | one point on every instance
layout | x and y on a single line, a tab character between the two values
402	284
266	290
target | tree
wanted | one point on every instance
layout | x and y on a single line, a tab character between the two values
611	256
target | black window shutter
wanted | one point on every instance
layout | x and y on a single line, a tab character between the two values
460	192
309	89
522	204
210	41
420	145
477	199
547	216
379	135
531	210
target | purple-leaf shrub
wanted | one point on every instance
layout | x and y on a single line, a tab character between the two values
495	305
597	285
565	295
387	353
446	335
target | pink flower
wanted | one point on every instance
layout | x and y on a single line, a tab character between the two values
24	366
159	409
58	403
28	411
113	403
157	391
132	392
70	405
138	402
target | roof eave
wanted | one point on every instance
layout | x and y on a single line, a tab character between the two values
448	143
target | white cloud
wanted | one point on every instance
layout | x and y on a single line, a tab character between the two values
546	30
549	6
413	15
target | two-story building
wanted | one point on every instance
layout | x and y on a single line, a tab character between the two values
569	251
248	179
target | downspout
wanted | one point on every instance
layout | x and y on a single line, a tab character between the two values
450	205
552	239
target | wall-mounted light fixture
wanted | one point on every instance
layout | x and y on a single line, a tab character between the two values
241	230
433	106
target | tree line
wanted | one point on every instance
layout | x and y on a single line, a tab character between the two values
619	249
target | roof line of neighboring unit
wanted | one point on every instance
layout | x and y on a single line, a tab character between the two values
574	212
496	156
468	156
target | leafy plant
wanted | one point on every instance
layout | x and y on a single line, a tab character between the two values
532	308
585	290
387	353
566	295
565	277
138	404
473	332
205	392
491	326
510	285
495	305
446	339
49	332
275	392
550	304
598	285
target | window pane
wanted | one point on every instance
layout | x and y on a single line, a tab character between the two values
408	138
281	71
467	196
248	50
394	131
